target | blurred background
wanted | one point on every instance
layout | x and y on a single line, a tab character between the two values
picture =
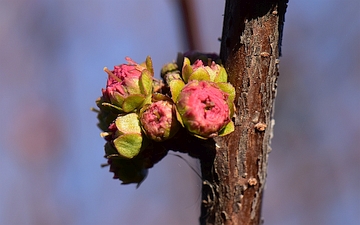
51	58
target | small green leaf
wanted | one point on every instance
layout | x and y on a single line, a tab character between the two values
160	97
128	145
227	88
229	128
186	70
168	68
146	101
199	74
117	99
132	102
198	136
230	90
128	123
111	106
146	82
186	61
231	107
222	76
178	117
175	88
149	65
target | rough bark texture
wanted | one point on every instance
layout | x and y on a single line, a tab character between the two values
235	171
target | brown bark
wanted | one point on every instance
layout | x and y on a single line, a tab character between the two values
234	175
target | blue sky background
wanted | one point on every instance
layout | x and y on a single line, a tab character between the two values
51	58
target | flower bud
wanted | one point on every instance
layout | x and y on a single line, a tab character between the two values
129	85
125	136
198	71
205	109
158	119
170	68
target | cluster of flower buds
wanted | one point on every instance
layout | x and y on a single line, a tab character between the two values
137	112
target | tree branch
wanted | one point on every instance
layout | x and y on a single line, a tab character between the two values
234	178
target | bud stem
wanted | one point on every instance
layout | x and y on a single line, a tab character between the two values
94	110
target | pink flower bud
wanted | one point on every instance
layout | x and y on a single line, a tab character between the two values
203	108
124	79
128	85
159	120
199	71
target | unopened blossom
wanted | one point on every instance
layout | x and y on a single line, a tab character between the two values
204	108
170	72
209	71
213	69
128	85
123	80
159	121
124	136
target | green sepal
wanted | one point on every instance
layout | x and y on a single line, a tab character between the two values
128	123
198	136
128	145
147	100
168	68
222	76
227	88
160	97
111	106
231	107
199	74
132	102
149	65
230	90
146	82
186	61
117	99
186	70
142	110
178	117
175	88
229	128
